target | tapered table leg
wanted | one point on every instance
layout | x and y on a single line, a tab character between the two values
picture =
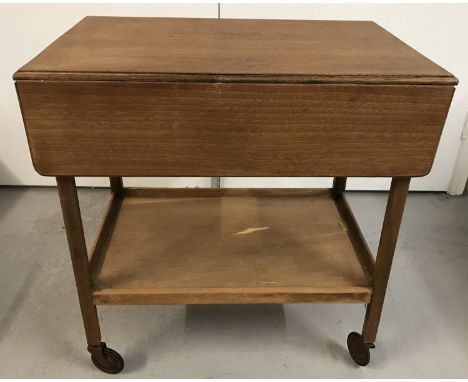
116	184
339	185
358	344
104	358
383	263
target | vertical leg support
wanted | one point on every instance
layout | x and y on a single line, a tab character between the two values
79	257
215	182
388	240
104	358
116	185
339	185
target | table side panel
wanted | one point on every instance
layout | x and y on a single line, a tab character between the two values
112	128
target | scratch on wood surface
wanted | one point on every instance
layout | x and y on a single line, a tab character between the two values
250	230
343	226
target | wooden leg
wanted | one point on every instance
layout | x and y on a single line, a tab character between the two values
104	358
383	263
359	345
339	185
79	256
116	185
215	182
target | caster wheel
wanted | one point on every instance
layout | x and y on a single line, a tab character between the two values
106	359
358	350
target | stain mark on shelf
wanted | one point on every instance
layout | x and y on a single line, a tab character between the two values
251	230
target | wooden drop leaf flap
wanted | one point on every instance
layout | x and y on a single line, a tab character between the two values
201	97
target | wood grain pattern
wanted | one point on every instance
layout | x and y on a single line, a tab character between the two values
271	295
168	129
143	192
230	249
212	50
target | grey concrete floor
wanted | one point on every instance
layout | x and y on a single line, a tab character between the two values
423	333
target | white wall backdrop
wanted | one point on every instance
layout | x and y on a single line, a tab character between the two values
25	30
438	31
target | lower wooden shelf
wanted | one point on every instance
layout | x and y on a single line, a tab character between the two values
207	246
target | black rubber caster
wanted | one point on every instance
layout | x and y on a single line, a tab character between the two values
359	350
106	359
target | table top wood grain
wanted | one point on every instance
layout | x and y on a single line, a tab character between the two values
230	50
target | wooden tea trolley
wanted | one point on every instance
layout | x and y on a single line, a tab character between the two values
142	97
